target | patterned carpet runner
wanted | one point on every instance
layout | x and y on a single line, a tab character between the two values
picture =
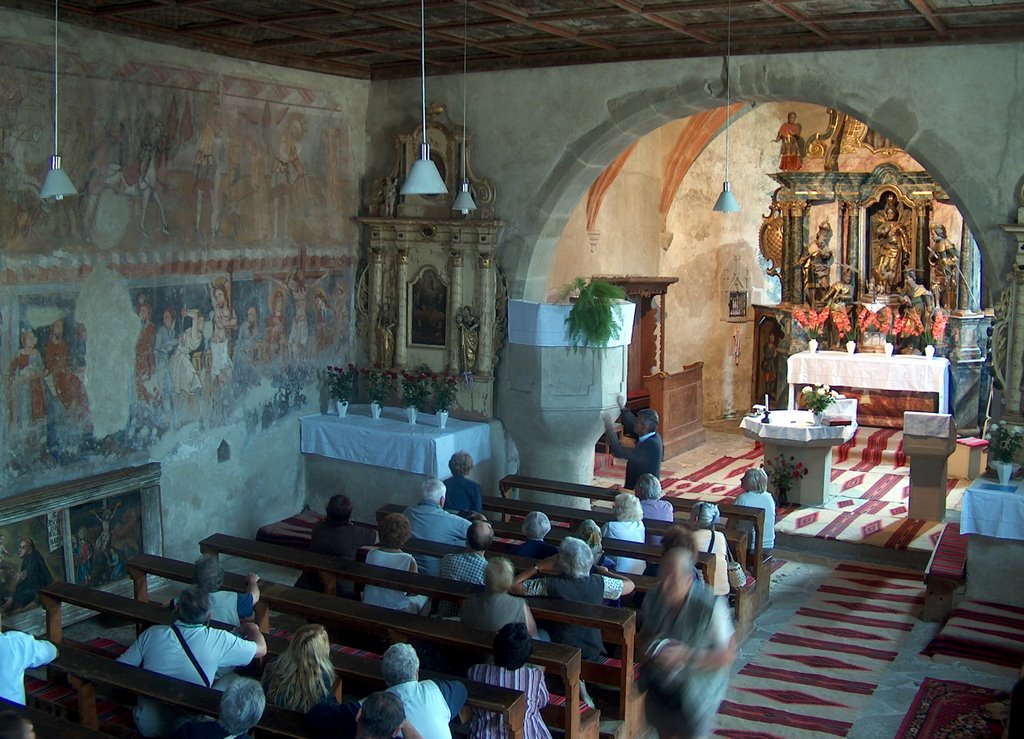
944	709
815	676
872	483
985	636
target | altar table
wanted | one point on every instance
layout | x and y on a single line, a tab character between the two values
992	517
392	442
794	433
870	371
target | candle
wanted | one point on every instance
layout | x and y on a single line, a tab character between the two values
766	401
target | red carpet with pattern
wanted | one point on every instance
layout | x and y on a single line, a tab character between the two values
943	709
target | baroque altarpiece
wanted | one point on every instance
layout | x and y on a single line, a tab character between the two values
430	292
859	228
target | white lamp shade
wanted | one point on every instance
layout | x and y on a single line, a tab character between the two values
464	200
727	202
57	184
424	179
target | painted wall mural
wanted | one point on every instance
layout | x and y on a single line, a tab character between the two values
221	204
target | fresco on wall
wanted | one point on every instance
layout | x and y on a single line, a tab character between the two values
105	534
30	558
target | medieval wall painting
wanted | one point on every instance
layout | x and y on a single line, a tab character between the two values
28	561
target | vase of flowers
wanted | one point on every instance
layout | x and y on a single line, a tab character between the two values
1003	444
812	322
380	383
444	385
415	390
844	328
817	399
885	322
783	474
908	326
936	332
340	383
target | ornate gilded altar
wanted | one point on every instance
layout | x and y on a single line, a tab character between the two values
430	291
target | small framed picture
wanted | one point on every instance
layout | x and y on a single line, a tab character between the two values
737	305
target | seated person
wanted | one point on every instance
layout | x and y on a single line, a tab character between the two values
380	716
536	526
467	566
706	539
226	606
495	607
429	704
648	490
512	649
241	707
394	532
165	650
302	675
431	522
338	536
590	533
755	493
627	526
19	651
462	495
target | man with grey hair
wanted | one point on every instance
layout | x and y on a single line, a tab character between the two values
462	495
535	527
467	566
241	708
431	522
648	490
429	704
225	606
646	455
190	650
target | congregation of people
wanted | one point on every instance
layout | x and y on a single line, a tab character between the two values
685	645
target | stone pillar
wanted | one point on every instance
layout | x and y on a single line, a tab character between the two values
1012	367
454	305
376	290
854	257
965	278
402	315
486	292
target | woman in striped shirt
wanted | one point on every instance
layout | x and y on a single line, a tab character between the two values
512	648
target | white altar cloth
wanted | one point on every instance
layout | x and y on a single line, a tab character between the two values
392	442
995	510
872	371
796	427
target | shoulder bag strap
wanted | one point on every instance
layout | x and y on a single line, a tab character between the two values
192	657
711	542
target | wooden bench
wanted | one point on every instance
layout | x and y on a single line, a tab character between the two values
617	625
946	573
47	725
511	704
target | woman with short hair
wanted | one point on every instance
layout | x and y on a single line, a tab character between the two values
627	526
655	508
394	531
495	607
755	494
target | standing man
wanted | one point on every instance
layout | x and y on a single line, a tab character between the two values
646	456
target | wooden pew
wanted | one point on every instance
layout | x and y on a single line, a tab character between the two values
617	625
511	704
47	725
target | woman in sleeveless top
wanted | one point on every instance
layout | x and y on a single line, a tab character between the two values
394	531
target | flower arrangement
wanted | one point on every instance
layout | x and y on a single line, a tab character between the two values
783	473
444	385
1003	442
865	321
341	381
819	397
379	383
811	321
842	323
884	320
416	387
908	326
938	329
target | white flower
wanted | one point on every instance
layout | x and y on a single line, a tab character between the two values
807	390
821	391
825	386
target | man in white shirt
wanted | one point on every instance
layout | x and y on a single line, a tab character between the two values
19	651
429	704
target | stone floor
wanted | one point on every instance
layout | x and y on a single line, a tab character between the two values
791	586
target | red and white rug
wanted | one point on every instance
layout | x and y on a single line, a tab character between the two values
984	636
944	709
815	676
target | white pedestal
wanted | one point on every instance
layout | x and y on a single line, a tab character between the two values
993	520
928	439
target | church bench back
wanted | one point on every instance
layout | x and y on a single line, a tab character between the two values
47	725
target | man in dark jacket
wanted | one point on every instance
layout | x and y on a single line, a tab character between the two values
646	456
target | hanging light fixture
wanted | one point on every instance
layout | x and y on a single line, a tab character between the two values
727	202
464	200
423	178
57	184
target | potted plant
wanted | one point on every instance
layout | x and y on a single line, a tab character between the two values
340	382
592	320
444	385
811	321
783	473
817	399
415	389
844	328
1003	444
379	385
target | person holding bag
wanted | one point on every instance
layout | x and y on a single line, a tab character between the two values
706	539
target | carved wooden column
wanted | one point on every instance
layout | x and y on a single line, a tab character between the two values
921	223
852	232
376	291
402	317
965	277
485	262
794	214
454	305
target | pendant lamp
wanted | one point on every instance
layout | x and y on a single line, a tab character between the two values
423	178
57	184
727	202
464	200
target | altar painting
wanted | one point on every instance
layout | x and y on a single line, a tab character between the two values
429	306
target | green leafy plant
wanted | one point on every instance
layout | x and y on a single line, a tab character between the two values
341	381
1003	442
379	383
783	473
445	386
591	320
416	387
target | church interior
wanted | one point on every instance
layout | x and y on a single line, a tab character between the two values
241	306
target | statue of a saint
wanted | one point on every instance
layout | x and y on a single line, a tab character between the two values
385	337
917	297
892	247
944	258
791	150
818	260
469	336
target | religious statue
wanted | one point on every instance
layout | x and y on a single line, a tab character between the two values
944	258
891	247
390	197
818	260
917	296
385	337
469	336
791	150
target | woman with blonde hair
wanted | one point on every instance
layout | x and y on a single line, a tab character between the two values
627	526
302	676
494	608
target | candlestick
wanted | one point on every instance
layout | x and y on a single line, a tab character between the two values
766	401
